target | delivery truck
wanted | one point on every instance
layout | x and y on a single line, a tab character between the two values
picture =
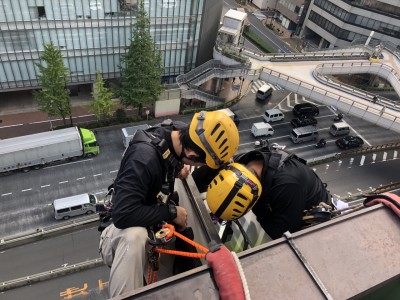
231	115
37	150
129	132
261	129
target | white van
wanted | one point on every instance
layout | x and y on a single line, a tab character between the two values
261	129
67	207
339	128
263	92
272	115
304	134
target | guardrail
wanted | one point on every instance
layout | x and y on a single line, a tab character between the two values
27	280
46	232
363	150
369	149
378	190
376	68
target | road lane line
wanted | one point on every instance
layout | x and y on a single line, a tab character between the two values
114	171
97	175
70	163
26	190
6	194
47	185
80	178
61	182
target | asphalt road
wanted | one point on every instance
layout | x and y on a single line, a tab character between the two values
25	198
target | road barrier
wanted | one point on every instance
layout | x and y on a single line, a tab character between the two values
378	190
363	150
27	280
46	232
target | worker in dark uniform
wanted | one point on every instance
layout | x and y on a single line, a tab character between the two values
289	187
211	138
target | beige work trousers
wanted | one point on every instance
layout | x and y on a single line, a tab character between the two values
123	250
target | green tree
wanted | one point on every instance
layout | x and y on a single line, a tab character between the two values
141	66
102	104
53	97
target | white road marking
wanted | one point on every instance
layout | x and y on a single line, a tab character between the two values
6	194
70	163
362	160
61	182
26	190
95	175
114	171
384	156
47	185
80	178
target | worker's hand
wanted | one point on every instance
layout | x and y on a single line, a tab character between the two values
184	173
181	220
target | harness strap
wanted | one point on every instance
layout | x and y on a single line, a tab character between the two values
169	160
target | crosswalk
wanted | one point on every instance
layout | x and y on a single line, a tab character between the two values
258	83
287	103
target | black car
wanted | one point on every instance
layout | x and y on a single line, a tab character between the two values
305	109
303	121
349	141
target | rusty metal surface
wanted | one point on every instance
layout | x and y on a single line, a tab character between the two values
351	255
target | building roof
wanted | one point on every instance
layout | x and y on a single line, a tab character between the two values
235	14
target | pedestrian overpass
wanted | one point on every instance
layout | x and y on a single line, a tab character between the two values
306	74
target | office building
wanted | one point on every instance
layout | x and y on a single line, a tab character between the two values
338	23
93	34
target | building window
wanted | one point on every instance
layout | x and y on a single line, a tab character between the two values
41	12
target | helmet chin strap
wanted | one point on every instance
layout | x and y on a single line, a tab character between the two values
182	155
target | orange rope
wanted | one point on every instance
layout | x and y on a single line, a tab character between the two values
189	241
174	252
150	278
181	253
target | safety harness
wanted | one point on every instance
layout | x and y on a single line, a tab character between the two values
171	166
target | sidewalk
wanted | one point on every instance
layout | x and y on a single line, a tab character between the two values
19	114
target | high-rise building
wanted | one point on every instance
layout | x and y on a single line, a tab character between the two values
337	23
93	34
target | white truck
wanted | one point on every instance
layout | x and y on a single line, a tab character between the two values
129	132
261	129
37	150
231	115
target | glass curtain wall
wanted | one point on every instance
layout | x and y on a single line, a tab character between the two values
92	35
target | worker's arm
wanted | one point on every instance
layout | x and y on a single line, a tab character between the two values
138	182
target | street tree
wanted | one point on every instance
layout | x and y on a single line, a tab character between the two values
141	66
102	104
53	97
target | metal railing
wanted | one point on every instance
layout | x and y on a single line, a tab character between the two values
363	150
328	69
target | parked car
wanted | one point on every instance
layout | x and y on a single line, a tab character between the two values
305	109
349	141
303	121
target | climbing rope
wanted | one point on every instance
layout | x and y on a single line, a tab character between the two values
157	250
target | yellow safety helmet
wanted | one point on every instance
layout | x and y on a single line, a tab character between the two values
216	134
233	192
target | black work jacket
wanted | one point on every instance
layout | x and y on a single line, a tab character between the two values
293	188
139	180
